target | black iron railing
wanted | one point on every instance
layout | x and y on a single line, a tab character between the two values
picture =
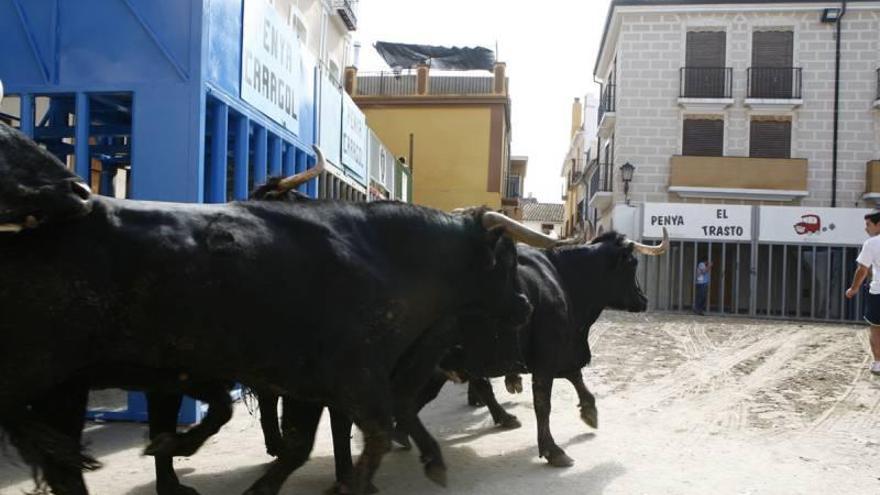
602	179
607	101
705	82
783	83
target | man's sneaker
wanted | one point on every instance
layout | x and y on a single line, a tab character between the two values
875	368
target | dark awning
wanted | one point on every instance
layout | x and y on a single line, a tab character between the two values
404	56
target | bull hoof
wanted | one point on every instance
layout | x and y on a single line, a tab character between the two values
560	460
509	422
514	384
590	416
176	490
401	438
436	472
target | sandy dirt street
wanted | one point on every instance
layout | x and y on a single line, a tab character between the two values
687	405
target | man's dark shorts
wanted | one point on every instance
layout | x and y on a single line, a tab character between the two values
872	310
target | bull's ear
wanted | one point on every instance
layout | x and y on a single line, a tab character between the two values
493	240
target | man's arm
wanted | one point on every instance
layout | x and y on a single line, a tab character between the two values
861	274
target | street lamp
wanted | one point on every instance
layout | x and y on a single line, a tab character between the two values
626	173
832	15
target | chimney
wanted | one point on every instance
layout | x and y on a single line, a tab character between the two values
500	78
423	79
577	116
351	80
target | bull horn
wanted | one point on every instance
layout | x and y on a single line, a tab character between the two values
520	232
653	250
294	181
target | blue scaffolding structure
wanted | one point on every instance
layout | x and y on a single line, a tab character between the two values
150	89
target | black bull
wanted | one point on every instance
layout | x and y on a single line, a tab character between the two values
230	292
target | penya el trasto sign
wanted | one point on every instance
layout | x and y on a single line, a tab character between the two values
698	221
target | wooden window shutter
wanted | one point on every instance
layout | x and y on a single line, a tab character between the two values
706	49
770	139
703	137
773	49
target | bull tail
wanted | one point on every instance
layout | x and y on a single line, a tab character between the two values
39	445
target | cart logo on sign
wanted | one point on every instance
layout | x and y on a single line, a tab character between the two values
811	224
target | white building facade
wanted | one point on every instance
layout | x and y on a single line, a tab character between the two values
731	105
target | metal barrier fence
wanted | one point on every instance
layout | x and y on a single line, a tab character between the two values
786	281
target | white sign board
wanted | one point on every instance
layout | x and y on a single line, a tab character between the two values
804	225
354	139
331	119
698	222
269	63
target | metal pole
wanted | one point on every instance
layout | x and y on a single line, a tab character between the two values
723	274
681	276
83	126
27	114
800	263
769	279
784	278
813	286
843	284
275	156
828	286
261	144
219	152
242	142
736	267
836	108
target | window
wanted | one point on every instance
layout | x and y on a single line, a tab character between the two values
513	186
770	139
546	228
772	74
703	137
705	75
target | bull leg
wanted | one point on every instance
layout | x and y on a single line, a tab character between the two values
302	419
375	423
474	399
216	394
587	405
341	424
269	422
64	411
483	388
162	409
426	394
542	390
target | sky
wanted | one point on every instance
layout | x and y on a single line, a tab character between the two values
550	53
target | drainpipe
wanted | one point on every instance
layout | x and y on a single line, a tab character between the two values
836	109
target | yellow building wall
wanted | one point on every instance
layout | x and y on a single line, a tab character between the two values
451	152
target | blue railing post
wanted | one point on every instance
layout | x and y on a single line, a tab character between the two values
242	141
219	151
27	114
83	121
260	158
274	156
301	166
289	160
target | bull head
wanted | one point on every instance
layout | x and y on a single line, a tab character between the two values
36	188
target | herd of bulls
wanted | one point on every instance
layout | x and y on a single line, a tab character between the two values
362	308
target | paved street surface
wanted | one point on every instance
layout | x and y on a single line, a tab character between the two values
687	405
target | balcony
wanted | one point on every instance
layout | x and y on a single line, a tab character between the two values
391	84
729	177
872	181
705	88
774	87
601	192
346	11
607	110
